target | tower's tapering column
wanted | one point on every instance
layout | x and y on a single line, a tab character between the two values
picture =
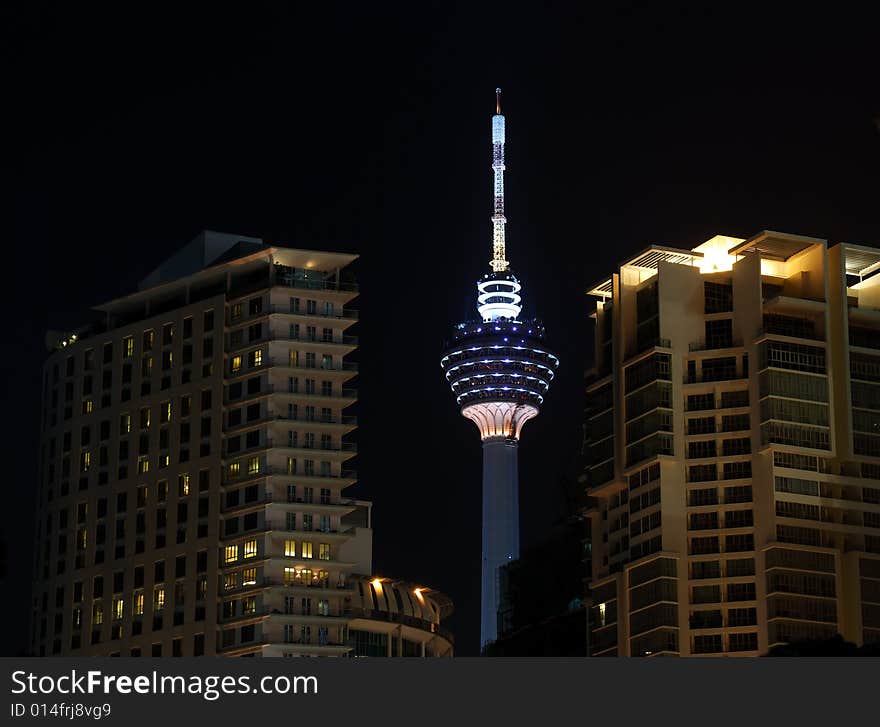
500	526
500	424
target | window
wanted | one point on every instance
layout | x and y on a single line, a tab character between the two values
718	297
183	484
145	418
158	598
165	412
324	551
289	576
256	358
253	465
250	549
230	554
229	581
128	346
236	363
249	577
306	550
249	606
234	469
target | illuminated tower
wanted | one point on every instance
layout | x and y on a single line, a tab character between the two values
499	371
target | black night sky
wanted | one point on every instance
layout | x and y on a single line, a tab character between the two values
364	127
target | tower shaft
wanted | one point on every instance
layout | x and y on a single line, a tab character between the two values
500	526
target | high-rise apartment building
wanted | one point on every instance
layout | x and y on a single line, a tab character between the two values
193	466
733	436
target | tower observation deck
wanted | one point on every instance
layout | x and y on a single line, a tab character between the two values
499	371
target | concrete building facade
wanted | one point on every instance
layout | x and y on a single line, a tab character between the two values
194	464
733	440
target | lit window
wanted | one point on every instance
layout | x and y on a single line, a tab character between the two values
82	539
145	418
164	460
249	577
128	346
117	609
293	359
236	311
143	464
324	551
139	603
85	461
88	406
290	548
306	550
183	484
235	469
230	554
158	598
76	618
97	614
250	549
289	575
229	581
165	412
149	337
253	465
258	358
125	423
291	466
249	606
236	363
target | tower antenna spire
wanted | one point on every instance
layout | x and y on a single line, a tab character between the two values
499	262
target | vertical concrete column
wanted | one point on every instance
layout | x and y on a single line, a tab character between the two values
500	525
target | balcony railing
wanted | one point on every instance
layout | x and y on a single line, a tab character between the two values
779	331
344	340
350	313
400	618
272	389
282	472
266	418
714	344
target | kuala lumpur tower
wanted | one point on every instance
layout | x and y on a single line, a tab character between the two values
499	371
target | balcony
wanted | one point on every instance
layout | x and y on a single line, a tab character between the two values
803	334
350	342
403	619
285	364
714	344
345	421
282	527
345	475
343	313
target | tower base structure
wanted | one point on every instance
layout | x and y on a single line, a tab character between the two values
500	526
